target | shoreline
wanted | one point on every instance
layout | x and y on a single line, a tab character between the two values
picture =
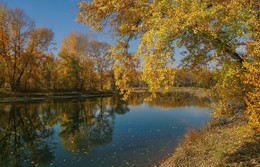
11	97
27	97
196	91
231	144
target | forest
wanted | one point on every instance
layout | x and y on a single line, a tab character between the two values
28	64
82	63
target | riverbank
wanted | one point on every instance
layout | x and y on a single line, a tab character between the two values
233	144
199	92
6	97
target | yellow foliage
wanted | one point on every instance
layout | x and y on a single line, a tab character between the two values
208	29
251	78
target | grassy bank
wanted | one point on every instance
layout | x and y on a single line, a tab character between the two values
233	144
6	96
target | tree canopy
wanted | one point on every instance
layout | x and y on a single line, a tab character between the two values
224	32
27	63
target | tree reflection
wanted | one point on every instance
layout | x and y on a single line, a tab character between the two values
118	106
88	124
26	129
169	100
179	99
24	138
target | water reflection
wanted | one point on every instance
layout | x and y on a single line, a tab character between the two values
87	125
27	130
170	100
24	137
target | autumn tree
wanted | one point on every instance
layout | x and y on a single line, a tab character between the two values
75	65
204	78
3	40
209	30
2	74
37	50
47	71
199	77
21	45
99	52
251	75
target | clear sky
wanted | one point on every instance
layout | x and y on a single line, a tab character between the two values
60	16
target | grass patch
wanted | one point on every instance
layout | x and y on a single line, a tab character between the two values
233	144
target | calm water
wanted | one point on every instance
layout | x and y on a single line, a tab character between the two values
97	132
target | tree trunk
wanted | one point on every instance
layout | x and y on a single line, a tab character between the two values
101	80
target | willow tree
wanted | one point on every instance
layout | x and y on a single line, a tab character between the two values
209	30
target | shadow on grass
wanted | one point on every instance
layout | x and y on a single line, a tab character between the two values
247	155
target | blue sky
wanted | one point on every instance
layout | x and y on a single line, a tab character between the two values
59	15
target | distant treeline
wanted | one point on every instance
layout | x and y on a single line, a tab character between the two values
203	78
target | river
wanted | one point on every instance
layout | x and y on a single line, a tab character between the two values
97	131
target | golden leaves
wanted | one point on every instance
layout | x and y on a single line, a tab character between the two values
251	78
200	26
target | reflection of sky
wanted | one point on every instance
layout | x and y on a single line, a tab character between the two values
195	116
142	136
